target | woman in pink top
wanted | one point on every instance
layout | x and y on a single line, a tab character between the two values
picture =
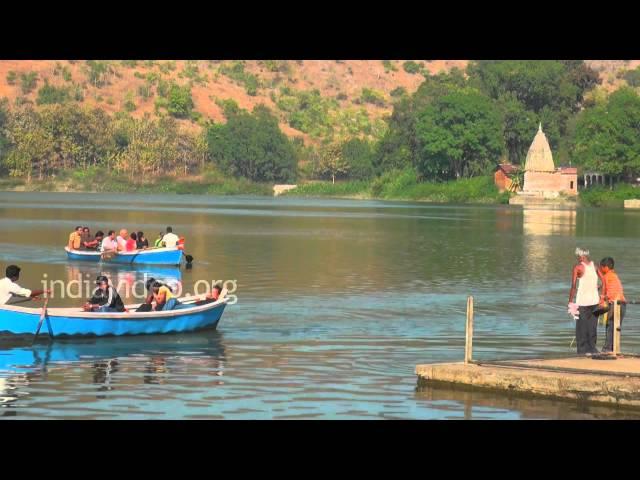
132	244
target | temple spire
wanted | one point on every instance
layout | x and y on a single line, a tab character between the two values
540	127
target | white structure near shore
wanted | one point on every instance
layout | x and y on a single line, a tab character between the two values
279	189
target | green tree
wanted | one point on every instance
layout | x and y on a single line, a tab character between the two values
331	163
358	155
519	127
251	145
459	135
28	81
49	94
180	101
607	137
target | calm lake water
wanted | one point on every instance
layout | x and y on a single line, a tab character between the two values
337	302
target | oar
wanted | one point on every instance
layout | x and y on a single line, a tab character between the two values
43	314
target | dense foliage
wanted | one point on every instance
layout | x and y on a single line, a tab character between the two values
456	125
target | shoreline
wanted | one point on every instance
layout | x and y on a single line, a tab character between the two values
198	185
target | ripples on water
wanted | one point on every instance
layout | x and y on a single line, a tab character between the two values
338	301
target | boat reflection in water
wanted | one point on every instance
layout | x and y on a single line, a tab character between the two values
108	363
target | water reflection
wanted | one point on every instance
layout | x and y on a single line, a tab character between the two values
477	404
112	364
543	222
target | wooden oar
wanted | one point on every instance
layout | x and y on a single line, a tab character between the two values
43	314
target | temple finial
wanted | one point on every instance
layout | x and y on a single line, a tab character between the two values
540	127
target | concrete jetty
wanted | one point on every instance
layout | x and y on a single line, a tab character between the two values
605	379
614	382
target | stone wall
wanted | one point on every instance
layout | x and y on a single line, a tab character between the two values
551	182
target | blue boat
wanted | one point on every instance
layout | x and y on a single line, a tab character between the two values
75	322
152	256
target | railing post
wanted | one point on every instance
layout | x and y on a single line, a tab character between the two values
616	328
468	343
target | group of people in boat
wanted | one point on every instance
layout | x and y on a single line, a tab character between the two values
588	301
81	239
105	298
160	297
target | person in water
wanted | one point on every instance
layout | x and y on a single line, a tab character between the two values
75	239
132	243
586	296
142	241
611	291
105	298
10	289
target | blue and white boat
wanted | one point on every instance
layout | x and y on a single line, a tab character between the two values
151	256
75	322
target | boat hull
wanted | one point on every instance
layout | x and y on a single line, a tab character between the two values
160	256
73	322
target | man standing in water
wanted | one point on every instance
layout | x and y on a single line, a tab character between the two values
586	276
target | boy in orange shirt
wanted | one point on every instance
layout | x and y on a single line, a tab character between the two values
611	291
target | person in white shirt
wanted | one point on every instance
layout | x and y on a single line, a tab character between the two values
170	239
9	287
122	240
109	243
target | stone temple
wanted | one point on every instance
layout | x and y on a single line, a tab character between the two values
541	177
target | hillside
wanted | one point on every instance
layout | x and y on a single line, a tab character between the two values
110	84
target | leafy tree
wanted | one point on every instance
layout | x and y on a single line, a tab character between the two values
398	92
459	135
607	137
11	77
358	155
251	145
519	127
632	77
331	163
411	67
180	101
28	81
96	72
370	95
50	94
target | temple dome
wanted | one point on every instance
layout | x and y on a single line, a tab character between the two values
539	158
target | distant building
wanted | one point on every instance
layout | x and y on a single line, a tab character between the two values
503	174
541	177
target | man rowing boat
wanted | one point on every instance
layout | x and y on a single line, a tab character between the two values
9	288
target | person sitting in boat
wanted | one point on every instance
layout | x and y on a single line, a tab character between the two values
105	298
132	242
96	242
89	243
142	241
163	296
170	239
109	243
211	297
85	236
122	240
9	288
75	239
158	242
